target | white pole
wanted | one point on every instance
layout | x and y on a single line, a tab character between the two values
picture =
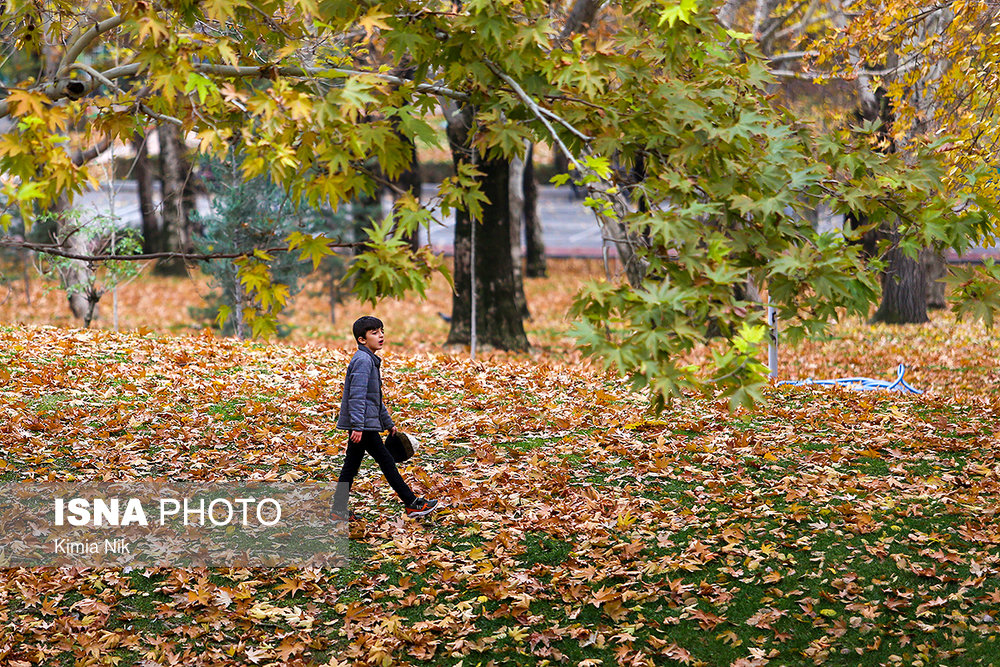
772	346
114	290
472	272
114	221
111	205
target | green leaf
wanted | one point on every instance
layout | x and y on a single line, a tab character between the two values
415	126
312	247
223	315
206	87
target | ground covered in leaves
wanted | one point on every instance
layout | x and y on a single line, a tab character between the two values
827	527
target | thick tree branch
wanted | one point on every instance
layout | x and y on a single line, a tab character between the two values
83	157
860	72
76	88
805	76
87	38
130	69
792	55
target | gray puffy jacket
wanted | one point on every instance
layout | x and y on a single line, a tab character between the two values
362	408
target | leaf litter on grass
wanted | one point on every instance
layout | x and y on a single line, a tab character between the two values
827	527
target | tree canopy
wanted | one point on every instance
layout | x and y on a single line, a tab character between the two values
702	182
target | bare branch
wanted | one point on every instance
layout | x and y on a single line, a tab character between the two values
774	23
531	104
810	19
808	75
271	23
240	71
130	69
805	76
727	13
56	250
88	37
111	84
378	178
760	14
611	226
792	55
75	88
83	157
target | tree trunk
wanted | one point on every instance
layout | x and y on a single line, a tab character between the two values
904	285
935	268
908	289
904	289
926	99
515	208
498	320
76	276
581	15
240	302
560	163
173	174
534	245
152	236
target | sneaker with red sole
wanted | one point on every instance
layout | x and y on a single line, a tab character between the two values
339	516
421	507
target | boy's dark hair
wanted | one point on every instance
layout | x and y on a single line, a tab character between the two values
365	324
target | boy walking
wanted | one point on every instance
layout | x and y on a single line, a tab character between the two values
363	414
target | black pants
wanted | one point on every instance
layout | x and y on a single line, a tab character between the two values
371	442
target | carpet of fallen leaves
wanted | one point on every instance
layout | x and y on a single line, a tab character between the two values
170	305
827	527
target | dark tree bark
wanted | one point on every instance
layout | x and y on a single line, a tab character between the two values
174	171
498	320
534	245
581	15
935	268
904	289
904	285
560	163
152	234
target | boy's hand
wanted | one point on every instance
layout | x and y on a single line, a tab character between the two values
355	436
392	431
